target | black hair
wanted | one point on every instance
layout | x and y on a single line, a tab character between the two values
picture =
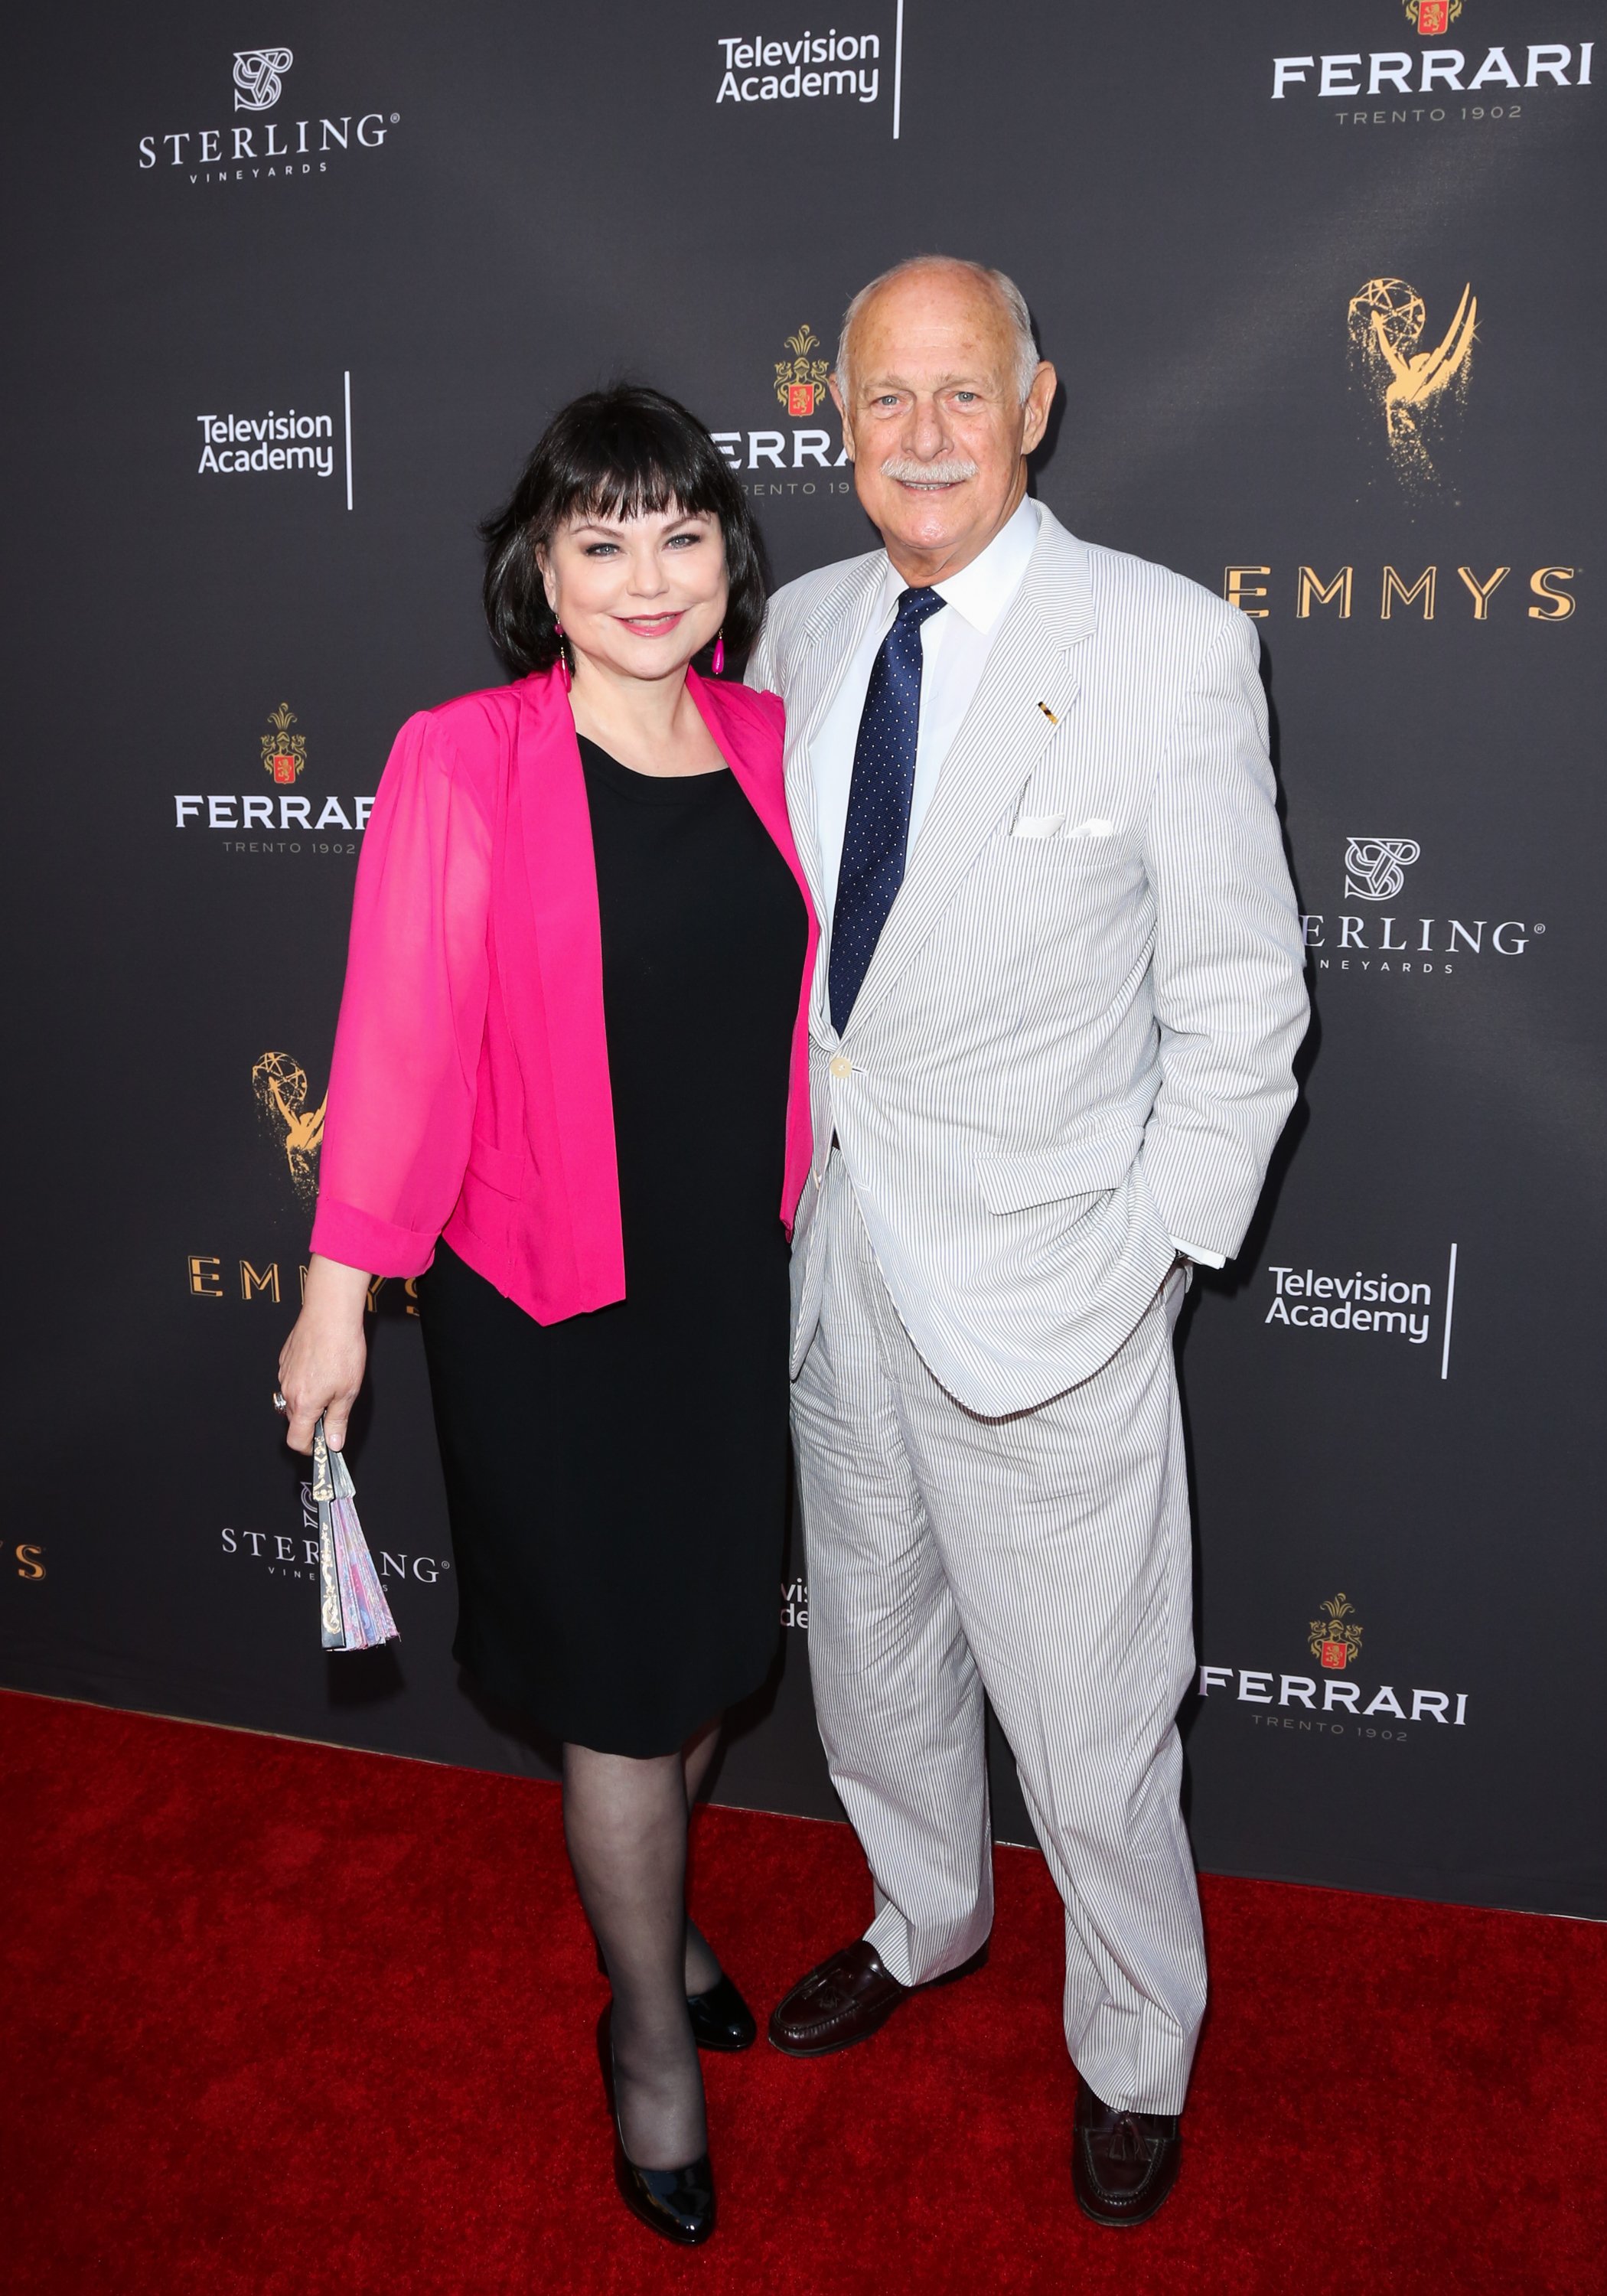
619	453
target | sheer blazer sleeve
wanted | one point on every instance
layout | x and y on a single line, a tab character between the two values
407	1048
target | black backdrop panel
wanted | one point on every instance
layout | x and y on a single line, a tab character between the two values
1322	281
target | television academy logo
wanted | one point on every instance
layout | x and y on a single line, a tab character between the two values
284	758
808	66
1385	323
260	150
257	81
1378	1307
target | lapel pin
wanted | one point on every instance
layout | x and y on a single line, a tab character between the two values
1048	713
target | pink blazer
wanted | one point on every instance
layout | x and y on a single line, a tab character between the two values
470	1092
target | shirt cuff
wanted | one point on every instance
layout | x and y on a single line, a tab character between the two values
1197	1252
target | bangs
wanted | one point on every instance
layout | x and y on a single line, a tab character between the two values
626	452
633	464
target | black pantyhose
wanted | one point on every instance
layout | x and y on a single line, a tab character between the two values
625	1821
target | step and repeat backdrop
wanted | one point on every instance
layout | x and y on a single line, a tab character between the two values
1322	280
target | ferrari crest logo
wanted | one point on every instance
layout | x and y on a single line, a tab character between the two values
1433	17
1336	1640
283	753
800	382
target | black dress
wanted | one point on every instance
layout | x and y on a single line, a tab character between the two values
617	1481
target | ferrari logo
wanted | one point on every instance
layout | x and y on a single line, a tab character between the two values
283	753
800	382
1431	18
1336	1640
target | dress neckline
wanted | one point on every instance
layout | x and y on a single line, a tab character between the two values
648	788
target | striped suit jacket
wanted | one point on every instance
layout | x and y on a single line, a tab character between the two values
1074	1039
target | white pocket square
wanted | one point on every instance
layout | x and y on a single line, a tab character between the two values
1053	824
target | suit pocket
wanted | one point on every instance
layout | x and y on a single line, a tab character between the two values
1090	1165
499	1168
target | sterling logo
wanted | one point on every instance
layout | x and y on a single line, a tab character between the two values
1386	320
1375	870
258	85
1375	867
265	151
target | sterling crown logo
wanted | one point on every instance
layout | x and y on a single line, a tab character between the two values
285	753
1432	17
1375	867
1386	322
1336	1640
281	1089
257	82
800	382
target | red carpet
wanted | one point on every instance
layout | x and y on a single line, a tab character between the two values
280	2021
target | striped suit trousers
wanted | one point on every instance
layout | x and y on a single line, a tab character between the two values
1043	1558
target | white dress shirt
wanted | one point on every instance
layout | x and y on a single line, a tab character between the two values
955	647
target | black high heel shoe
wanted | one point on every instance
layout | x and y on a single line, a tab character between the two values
721	2019
676	2203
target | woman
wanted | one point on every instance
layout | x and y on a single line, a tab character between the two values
572	1048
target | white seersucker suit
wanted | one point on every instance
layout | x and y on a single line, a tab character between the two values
1070	1052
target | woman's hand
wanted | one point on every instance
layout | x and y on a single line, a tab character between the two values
320	1364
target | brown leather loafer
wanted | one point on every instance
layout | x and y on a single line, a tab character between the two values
846	1999
1123	2164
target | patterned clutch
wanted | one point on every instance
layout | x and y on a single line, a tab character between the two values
353	1610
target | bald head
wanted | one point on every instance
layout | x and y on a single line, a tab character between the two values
973	281
943	397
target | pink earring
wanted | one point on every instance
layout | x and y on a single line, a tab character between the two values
563	657
719	663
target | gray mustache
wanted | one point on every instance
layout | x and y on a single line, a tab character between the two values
950	473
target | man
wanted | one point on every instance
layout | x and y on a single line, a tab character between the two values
1051	1046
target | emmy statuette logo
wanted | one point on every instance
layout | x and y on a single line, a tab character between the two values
1386	320
257	82
282	1095
1375	867
283	753
1336	1640
1431	18
800	382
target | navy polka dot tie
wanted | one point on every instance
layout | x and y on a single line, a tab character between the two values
876	836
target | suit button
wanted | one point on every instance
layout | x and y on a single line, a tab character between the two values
841	1065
